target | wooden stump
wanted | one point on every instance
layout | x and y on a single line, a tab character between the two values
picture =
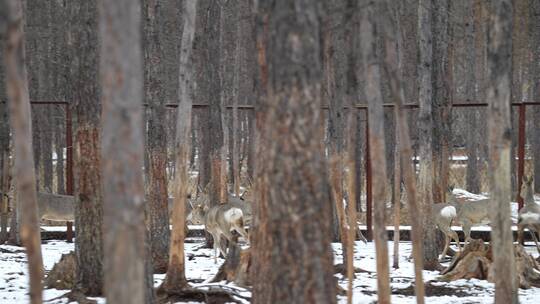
476	261
236	267
62	275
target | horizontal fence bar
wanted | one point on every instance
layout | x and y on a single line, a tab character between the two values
324	107
364	106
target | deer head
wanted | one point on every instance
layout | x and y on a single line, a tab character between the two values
198	212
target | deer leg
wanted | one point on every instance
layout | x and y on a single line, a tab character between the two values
467	231
223	245
216	244
230	239
446	245
455	237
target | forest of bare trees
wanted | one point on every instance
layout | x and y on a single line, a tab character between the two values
279	151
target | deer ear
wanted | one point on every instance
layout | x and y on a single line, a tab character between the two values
451	188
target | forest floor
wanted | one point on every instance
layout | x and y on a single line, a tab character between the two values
200	267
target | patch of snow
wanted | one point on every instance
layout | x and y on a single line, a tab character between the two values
200	267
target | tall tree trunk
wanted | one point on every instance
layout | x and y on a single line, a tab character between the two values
369	35
408	35
85	94
519	80
60	75
425	132
161	30
499	126
229	35
175	280
207	54
5	168
292	217
477	46
535	78
334	82
397	91
19	107
123	147
441	102
247	73
396	197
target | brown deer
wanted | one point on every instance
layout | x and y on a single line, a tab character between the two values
470	213
199	207
222	220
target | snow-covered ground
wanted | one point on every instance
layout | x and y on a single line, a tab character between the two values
200	267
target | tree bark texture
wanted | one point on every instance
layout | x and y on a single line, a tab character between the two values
520	80
370	33
478	63
441	100
19	108
85	94
229	73
292	258
161	35
175	280
5	168
207	54
121	74
425	131
334	89
247	90
500	139
535	74
408	30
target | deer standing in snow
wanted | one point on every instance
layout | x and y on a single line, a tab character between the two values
220	220
470	213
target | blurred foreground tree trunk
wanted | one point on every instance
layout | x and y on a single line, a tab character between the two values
500	140
12	23
121	74
292	257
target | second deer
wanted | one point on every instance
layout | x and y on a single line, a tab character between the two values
470	213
